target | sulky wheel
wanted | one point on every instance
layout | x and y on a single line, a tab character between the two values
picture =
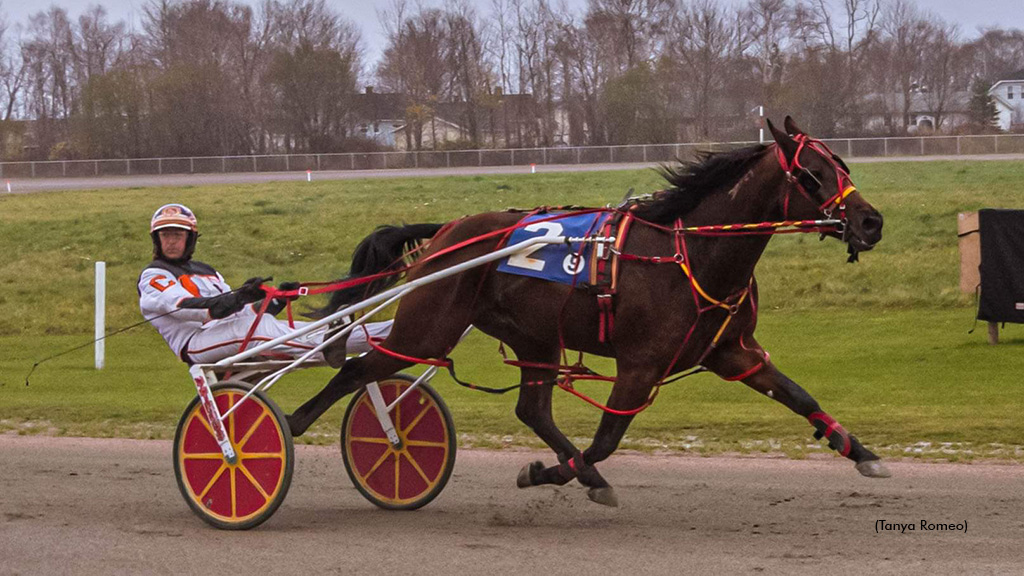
241	495
409	477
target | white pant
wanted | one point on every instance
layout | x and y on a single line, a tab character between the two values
219	339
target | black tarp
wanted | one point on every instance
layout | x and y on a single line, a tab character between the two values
1002	265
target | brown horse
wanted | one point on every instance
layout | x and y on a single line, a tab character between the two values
661	325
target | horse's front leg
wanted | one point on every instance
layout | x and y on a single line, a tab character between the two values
734	362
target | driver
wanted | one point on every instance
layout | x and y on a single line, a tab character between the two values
212	320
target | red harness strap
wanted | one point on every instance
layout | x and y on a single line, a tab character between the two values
604	277
844	184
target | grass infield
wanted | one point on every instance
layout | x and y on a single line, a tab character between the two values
883	345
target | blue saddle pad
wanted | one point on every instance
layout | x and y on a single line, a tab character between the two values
561	262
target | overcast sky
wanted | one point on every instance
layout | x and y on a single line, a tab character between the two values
969	14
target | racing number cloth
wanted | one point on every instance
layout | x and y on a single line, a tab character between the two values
1002	265
562	263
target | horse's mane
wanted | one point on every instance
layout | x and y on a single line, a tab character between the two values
693	181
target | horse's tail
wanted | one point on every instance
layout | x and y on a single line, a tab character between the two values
383	250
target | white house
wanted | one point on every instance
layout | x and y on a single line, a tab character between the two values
1009	98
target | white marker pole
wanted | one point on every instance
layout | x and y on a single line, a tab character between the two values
101	305
309	175
761	131
533	168
8	186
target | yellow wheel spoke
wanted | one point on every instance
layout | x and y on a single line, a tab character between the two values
416	466
203	456
234	495
252	429
377	464
369	440
263	455
426	443
247	474
416	420
216	477
398	462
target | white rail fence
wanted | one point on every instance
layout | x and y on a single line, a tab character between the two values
846	147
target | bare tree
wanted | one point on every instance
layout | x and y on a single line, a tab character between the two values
97	44
13	68
708	39
631	31
830	61
769	22
501	46
583	77
469	74
195	107
907	33
998	53
945	70
50	96
414	65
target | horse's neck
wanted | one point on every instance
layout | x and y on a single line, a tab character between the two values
727	263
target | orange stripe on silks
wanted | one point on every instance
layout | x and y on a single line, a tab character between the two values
155	283
188	284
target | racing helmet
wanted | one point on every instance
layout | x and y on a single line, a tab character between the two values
174	216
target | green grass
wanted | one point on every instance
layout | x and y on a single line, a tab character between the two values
883	345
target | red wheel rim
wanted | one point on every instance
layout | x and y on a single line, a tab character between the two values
233	493
398	477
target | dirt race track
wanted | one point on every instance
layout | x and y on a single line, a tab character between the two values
90	506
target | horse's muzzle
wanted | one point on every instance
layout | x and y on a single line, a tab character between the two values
864	230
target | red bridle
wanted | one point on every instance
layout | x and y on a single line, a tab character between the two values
844	184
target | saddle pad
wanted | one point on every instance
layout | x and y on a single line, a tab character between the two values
554	262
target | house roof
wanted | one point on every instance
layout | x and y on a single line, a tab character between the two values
1017	76
379	106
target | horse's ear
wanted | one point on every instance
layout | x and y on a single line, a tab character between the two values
785	143
791	128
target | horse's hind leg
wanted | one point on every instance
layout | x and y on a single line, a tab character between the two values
353	375
424	328
734	362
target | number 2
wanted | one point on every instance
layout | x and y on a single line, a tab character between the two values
522	259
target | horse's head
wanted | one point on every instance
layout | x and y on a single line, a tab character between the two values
824	188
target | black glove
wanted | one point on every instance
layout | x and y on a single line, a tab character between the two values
251	291
278	304
290	286
224	305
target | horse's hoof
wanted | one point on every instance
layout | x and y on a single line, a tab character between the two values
524	480
605	495
873	469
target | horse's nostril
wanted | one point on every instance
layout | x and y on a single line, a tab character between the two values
872	224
